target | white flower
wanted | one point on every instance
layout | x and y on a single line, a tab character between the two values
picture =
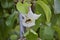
29	19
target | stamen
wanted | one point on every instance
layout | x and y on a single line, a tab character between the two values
28	20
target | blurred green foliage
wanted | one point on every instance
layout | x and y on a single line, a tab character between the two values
47	26
8	19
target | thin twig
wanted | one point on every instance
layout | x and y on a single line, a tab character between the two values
21	27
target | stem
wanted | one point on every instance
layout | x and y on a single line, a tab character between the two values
21	27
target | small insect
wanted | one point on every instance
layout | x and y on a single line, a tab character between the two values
28	20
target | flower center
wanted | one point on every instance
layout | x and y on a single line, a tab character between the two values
27	21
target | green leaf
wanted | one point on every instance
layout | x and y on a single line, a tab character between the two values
13	37
31	35
39	21
10	20
6	4
45	1
58	19
46	10
46	33
17	29
42	19
38	9
57	29
22	8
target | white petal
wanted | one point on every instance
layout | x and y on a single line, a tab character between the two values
30	13
31	16
31	24
24	24
35	16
